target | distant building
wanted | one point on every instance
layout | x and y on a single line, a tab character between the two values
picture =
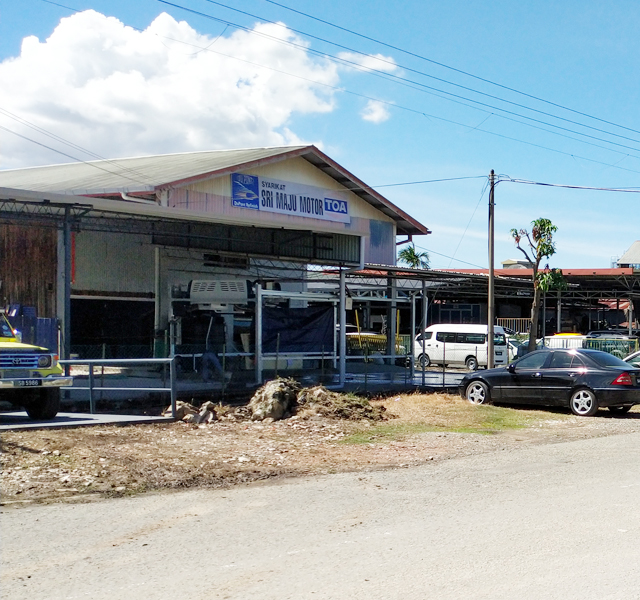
631	258
513	263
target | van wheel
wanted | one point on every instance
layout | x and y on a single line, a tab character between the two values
424	360
44	405
471	363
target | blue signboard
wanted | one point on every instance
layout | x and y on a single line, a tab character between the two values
288	198
244	191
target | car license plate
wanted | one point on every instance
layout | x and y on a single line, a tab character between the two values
499	353
27	383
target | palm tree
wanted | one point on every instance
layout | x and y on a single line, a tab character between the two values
413	259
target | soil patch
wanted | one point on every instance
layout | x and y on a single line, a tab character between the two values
91	463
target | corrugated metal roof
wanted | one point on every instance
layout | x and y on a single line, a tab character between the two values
147	174
130	175
631	256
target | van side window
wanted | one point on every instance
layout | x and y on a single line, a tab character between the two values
447	338
473	338
424	336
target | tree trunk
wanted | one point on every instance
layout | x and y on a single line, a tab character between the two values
535	312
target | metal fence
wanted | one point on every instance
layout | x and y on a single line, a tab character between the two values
111	351
619	347
168	367
518	325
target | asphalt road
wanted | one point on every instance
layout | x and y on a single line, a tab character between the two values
557	521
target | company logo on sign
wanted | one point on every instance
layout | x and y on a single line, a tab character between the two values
287	198
335	206
244	191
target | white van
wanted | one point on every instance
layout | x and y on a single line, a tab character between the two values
459	344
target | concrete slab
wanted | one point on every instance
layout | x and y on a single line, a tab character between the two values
19	420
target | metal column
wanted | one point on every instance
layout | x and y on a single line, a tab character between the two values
343	328
392	317
559	313
412	362
423	325
157	304
65	349
258	348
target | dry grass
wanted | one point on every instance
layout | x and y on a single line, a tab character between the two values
450	411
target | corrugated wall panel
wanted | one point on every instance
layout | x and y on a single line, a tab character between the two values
108	262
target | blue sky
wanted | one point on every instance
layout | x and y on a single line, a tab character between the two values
580	55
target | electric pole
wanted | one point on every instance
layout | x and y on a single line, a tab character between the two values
491	309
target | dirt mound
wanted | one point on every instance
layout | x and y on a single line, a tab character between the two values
274	400
281	398
320	401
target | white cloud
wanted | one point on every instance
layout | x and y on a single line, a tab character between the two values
375	111
122	92
377	62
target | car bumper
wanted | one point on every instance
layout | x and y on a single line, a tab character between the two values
609	397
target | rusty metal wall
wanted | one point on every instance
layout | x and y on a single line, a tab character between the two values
28	262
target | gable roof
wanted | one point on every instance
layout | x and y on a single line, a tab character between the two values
148	174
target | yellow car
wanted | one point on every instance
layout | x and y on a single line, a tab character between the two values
30	376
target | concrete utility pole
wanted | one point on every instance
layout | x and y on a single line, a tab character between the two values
491	309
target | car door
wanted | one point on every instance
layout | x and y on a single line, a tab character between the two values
521	380
560	377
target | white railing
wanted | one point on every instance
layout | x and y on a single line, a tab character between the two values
518	325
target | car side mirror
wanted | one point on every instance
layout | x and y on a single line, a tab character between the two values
511	368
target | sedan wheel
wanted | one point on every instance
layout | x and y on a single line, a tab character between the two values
477	392
583	403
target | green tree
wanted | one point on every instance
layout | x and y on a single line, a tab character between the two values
416	260
540	246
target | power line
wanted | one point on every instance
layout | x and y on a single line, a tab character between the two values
428	181
632	190
428	75
445	66
464	262
24	137
484	189
408	82
390	104
121	168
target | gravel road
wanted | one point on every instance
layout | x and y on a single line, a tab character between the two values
548	521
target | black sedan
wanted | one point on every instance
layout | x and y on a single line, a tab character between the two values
584	380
